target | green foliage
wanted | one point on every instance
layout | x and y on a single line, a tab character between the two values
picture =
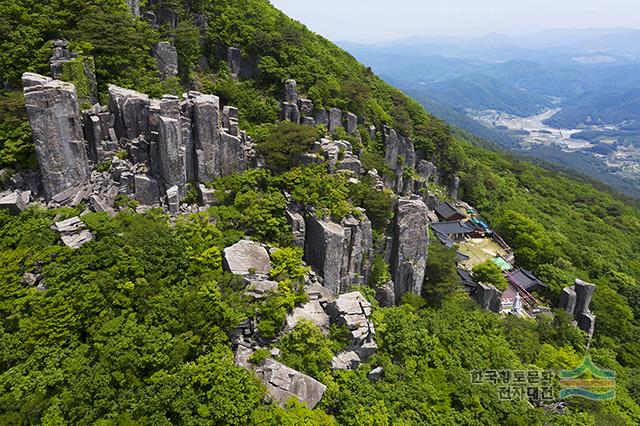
259	356
378	204
306	349
441	277
490	273
284	146
78	72
286	264
379	275
104	166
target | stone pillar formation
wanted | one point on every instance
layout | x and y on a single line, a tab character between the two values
56	125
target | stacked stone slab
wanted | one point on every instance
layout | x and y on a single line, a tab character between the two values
290	109
409	246
399	154
339	252
575	301
56	126
353	311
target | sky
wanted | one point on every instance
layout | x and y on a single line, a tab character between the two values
378	20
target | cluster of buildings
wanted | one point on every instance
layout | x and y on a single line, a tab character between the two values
459	226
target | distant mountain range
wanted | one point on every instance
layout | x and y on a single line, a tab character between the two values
592	75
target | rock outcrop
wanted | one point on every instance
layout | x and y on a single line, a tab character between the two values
167	58
283	383
15	202
56	125
576	300
352	310
399	155
339	252
409	246
246	258
73	232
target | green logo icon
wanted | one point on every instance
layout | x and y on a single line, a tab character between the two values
588	381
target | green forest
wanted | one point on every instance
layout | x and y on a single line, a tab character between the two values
134	327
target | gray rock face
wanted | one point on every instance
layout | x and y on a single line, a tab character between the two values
322	117
13	202
230	120
206	121
173	199
283	383
357	251
340	253
73	232
167	58
335	120
308	121
246	258
171	154
290	112
306	107
231	155
385	295
587	322
131	112
352	123
323	250
134	6
399	154
147	190
56	126
311	311
488	297
298	226
568	300
454	188
61	55
409	247
234	62
353	311
291	92
584	293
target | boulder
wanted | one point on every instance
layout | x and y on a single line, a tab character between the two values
260	289
147	190
308	121
311	311
375	374
586	322
488	297
13	202
283	383
352	310
231	155
167	58
56	126
73	232
409	247
173	199
230	120
357	251
346	361
454	188
246	258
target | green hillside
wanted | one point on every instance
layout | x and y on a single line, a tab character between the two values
134	327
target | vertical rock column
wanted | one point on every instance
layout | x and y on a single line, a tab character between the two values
206	134
410	244
54	115
170	150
